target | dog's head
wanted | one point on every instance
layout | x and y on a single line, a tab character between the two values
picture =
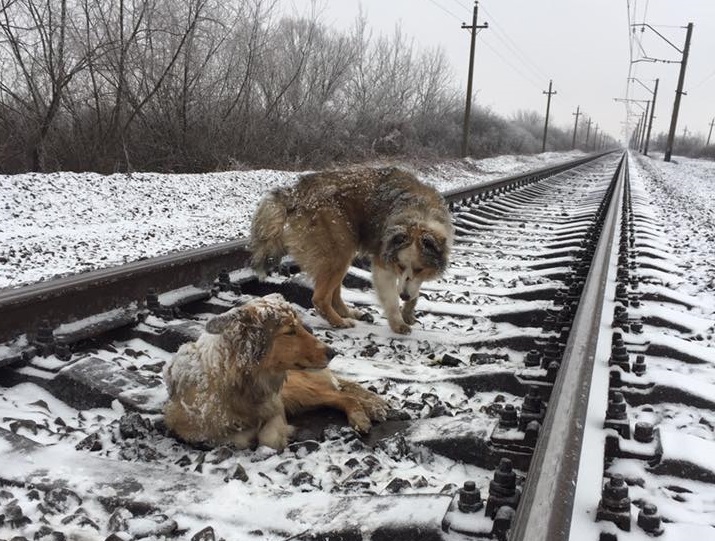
268	334
415	253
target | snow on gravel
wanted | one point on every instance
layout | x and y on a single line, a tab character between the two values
64	223
57	224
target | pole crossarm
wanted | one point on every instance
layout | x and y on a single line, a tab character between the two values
642	84
646	25
650	59
631	100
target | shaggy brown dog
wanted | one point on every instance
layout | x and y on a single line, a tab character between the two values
226	386
326	218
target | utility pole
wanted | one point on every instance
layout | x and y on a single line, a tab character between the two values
643	127
678	94
711	132
588	131
468	107
650	122
639	131
575	126
595	136
546	122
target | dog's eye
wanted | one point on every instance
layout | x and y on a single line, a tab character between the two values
417	270
401	267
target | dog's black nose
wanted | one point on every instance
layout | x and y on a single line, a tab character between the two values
330	353
405	296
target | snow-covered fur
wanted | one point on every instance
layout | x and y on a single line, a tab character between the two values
226	386
327	218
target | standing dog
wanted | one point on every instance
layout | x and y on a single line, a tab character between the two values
326	218
236	382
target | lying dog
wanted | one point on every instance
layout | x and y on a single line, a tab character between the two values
326	218
236	382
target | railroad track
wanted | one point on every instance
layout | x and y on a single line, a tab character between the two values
535	399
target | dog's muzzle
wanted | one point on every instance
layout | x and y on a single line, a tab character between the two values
330	353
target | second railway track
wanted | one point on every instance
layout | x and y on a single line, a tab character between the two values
531	401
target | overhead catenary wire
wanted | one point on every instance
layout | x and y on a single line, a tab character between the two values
509	43
491	47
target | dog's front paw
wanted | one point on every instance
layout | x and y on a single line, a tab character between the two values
360	421
409	317
275	434
375	407
400	327
343	323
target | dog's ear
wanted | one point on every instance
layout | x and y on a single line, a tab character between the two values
434	250
252	327
219	324
396	239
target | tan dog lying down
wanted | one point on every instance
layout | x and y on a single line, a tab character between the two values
238	380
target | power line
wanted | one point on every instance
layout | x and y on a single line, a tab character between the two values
501	34
490	47
446	10
701	83
512	66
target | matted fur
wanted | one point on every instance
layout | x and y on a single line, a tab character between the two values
327	218
226	386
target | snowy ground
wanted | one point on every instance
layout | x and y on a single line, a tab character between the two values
65	223
111	225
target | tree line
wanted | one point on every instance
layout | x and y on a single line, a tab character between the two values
202	85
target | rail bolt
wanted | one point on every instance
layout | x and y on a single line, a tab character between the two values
45	338
224	280
643	432
502	523
470	499
152	300
532	401
619	355
649	520
502	490
617	407
615	505
552	370
62	351
639	367
533	358
508	418
552	351
532	409
531	433
549	323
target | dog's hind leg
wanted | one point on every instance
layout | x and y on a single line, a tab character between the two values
340	307
326	285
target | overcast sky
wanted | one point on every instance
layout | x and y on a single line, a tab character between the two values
583	45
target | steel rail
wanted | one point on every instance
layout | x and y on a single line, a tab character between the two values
82	295
75	297
500	184
545	510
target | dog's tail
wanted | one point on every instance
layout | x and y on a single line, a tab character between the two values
267	247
